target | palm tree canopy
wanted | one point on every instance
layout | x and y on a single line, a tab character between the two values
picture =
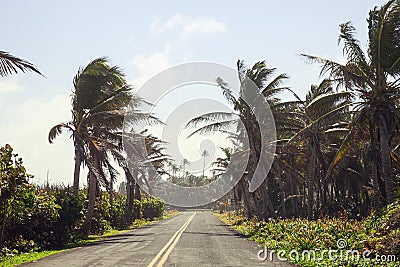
100	101
383	61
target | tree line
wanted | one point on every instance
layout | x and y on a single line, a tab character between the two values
336	149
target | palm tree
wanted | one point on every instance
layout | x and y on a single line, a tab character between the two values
322	113
10	64
145	166
204	154
185	162
99	102
221	164
267	87
375	78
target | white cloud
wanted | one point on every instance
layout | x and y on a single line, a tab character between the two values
158	26
9	85
187	25
149	65
203	25
25	127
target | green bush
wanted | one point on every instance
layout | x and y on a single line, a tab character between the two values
118	214
27	216
101	216
379	233
152	208
137	209
69	216
33	218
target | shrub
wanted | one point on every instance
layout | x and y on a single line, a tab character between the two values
152	208
27	215
118	214
69	216
33	218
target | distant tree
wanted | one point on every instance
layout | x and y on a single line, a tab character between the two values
185	163
204	154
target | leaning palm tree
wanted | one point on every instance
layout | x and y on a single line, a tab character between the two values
323	112
99	102
10	64
375	78
267	86
144	167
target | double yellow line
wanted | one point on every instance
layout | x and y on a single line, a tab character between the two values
170	244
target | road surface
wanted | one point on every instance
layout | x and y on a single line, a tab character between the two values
189	239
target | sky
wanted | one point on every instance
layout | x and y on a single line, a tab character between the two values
144	38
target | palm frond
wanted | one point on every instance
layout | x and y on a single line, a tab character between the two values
57	130
348	75
226	91
352	46
328	100
384	38
345	145
273	87
326	115
210	117
10	64
214	127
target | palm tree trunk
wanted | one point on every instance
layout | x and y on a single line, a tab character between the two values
374	177
111	194
137	196
325	194
311	175
129	196
245	196
77	169
282	188
386	163
3	225
319	193
91	202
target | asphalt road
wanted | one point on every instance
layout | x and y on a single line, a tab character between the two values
189	239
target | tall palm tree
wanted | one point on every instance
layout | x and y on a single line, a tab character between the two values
99	98
375	78
267	87
204	154
10	64
99	102
322	112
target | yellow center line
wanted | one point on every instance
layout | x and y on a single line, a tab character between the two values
175	237
165	257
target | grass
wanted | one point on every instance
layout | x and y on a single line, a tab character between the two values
379	234
27	257
21	258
